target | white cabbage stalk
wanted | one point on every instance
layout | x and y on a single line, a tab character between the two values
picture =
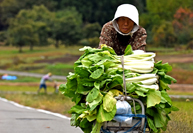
143	63
142	69
142	77
149	81
155	86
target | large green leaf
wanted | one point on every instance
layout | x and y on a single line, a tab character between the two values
153	98
97	127
89	49
62	87
163	85
77	109
103	115
96	102
82	71
74	121
163	67
94	57
128	50
130	87
151	124
84	123
97	73
110	49
97	84
86	62
82	89
93	94
165	97
109	102
160	118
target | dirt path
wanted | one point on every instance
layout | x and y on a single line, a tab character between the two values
182	87
186	58
17	73
28	83
175	87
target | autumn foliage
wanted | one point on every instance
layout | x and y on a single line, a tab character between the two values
182	18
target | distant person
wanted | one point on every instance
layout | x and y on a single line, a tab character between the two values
56	86
43	82
123	30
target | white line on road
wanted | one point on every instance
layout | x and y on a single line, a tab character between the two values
39	110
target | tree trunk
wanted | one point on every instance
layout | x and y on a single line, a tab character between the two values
31	47
57	44
20	49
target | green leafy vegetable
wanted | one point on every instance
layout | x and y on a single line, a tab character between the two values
98	78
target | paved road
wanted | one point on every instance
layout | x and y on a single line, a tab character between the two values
15	118
17	73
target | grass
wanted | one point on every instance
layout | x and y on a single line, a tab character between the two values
22	79
171	92
11	59
168	51
61	69
182	120
22	89
52	102
185	66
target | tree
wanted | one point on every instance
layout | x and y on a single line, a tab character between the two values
164	35
10	8
90	34
66	26
183	20
91	30
98	11
29	27
21	35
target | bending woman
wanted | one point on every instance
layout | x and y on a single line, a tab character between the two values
123	30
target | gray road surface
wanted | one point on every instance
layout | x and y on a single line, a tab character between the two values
15	118
17	73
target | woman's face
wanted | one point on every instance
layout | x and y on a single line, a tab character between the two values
125	24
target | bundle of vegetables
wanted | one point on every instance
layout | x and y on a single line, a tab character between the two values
98	78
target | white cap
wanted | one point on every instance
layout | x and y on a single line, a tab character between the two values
129	11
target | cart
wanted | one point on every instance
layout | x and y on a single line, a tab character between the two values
138	124
139	121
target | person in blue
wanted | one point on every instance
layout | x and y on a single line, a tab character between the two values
43	82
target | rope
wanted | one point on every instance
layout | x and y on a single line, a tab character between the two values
134	107
124	83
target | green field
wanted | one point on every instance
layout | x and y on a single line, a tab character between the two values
41	60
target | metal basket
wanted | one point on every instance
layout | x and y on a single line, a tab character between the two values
138	123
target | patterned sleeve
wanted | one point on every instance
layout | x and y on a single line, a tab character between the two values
140	39
106	36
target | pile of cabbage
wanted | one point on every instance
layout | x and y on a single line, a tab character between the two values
98	78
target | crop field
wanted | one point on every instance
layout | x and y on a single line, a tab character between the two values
60	62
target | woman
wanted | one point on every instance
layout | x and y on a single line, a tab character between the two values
123	30
43	82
